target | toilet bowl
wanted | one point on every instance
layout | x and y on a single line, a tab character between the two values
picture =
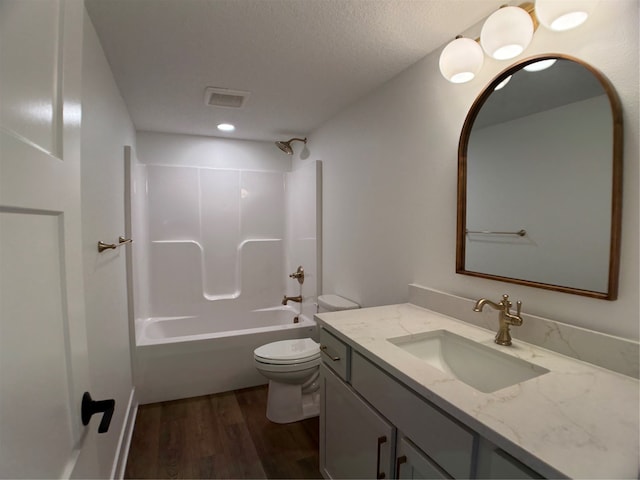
292	367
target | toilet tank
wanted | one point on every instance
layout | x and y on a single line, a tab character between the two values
335	303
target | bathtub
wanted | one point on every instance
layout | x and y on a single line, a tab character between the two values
181	357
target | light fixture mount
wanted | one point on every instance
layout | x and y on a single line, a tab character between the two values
507	32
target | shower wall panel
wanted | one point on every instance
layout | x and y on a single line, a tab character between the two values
220	230
262	273
176	278
260	193
173	203
216	236
140	234
303	231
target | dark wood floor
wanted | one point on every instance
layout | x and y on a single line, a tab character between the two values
226	435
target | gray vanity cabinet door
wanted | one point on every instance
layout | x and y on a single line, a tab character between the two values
412	463
494	462
355	441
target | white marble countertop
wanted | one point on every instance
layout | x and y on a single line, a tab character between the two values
578	420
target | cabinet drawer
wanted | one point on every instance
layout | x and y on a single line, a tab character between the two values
335	354
443	439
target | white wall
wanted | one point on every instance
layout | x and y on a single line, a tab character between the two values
390	171
106	129
194	151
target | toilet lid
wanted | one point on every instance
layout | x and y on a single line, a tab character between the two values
288	351
333	302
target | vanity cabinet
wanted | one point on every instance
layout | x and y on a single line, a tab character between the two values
356	441
494	462
335	354
412	463
448	443
373	426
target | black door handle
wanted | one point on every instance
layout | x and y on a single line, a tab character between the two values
89	407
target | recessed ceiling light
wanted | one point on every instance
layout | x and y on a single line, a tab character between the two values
226	127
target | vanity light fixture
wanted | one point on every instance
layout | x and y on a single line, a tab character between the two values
226	127
461	60
507	33
565	14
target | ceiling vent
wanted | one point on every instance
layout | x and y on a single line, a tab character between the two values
223	97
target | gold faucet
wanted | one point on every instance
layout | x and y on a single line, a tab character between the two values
293	299
506	318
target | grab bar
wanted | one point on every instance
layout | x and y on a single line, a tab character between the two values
520	233
112	246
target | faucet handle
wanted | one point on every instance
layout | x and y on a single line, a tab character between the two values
298	274
505	302
518	307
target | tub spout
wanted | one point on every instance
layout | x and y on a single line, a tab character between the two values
293	299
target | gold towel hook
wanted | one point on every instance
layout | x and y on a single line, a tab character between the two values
106	246
112	246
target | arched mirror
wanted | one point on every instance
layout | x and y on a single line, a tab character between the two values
539	179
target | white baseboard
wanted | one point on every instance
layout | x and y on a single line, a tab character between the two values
120	462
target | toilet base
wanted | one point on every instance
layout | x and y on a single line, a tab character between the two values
286	403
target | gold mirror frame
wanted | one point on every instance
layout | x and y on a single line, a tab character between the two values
616	191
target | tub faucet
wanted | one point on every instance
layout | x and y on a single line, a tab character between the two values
506	318
293	299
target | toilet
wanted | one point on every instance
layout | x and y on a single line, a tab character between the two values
335	303
292	367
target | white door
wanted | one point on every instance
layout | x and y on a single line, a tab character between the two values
43	354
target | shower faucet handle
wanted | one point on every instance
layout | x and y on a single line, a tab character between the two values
298	274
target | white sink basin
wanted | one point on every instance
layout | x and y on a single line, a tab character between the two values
475	364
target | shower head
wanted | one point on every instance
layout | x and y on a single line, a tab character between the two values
286	146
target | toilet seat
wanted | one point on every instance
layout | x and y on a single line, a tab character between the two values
288	352
288	367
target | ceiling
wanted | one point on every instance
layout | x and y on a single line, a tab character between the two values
302	60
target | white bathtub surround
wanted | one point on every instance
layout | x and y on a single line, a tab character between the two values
192	362
215	235
221	225
618	354
578	420
303	237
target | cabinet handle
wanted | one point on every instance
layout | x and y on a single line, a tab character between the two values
400	461
323	349
381	440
